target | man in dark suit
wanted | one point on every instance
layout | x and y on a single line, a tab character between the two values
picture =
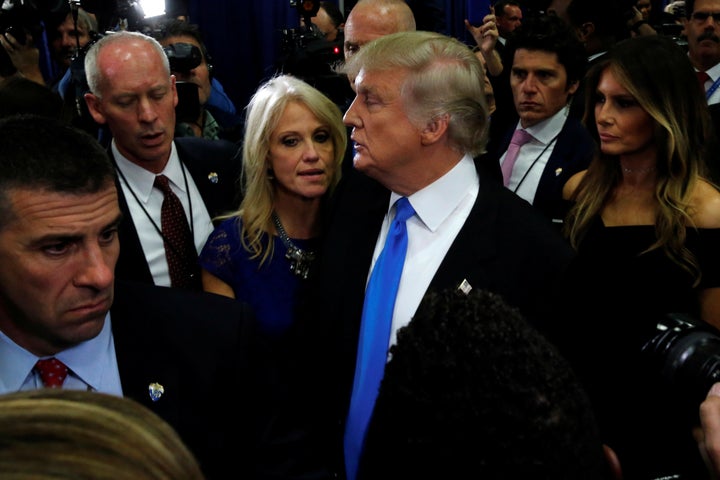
547	64
174	351
418	119
133	92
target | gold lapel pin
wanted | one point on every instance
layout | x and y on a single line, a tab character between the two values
156	391
558	171
213	177
465	287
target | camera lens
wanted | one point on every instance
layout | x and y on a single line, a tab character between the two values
687	353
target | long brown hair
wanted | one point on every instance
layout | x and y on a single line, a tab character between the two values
660	77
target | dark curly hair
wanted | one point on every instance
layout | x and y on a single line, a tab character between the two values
548	33
473	391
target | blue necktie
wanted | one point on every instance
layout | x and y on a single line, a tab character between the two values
375	334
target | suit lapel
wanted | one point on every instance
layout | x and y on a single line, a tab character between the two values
131	263
143	356
474	244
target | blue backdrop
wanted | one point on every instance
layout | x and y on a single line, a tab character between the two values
244	36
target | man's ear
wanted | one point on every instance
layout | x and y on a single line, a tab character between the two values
435	129
173	86
586	31
95	108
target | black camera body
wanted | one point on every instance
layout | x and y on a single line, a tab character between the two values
686	352
306	8
183	57
308	55
20	18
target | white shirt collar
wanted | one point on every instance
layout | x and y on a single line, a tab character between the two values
546	130
434	203
141	181
16	362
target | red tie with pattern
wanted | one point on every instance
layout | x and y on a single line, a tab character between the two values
702	78
179	246
52	372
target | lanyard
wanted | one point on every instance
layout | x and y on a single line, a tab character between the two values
712	89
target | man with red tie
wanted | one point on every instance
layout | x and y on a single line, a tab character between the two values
702	29
66	323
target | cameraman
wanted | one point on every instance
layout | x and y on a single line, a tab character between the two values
65	37
330	22
202	115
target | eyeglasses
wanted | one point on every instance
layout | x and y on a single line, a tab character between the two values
703	16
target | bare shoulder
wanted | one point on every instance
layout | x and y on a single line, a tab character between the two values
706	205
572	184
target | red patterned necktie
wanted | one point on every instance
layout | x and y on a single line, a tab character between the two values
52	372
179	246
702	78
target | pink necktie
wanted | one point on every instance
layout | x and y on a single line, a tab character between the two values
702	78
52	372
519	138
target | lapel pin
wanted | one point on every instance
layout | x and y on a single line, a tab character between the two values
213	177
558	171
465	287
156	391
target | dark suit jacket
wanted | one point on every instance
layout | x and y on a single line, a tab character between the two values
220	192
505	114
199	347
505	246
572	153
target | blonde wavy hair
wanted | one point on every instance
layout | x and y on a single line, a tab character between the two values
262	117
55	434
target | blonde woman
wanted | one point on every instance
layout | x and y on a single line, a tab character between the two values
293	146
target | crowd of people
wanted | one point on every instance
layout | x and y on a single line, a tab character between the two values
456	270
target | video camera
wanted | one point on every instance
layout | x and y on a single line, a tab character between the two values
306	54
183	57
686	352
21	18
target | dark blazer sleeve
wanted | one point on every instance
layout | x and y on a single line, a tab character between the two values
573	153
131	264
215	167
201	348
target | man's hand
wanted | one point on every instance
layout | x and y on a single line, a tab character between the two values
25	58
708	435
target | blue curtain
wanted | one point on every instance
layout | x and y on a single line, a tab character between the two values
244	37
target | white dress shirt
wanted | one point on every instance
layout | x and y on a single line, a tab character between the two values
101	374
144	200
441	209
535	154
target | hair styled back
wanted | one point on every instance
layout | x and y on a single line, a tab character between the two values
445	78
56	434
551	34
262	117
94	76
658	74
67	160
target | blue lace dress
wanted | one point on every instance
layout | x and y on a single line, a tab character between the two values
270	289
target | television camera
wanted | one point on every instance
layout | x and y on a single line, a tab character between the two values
307	54
23	18
686	353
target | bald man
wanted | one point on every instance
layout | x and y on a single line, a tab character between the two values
371	19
